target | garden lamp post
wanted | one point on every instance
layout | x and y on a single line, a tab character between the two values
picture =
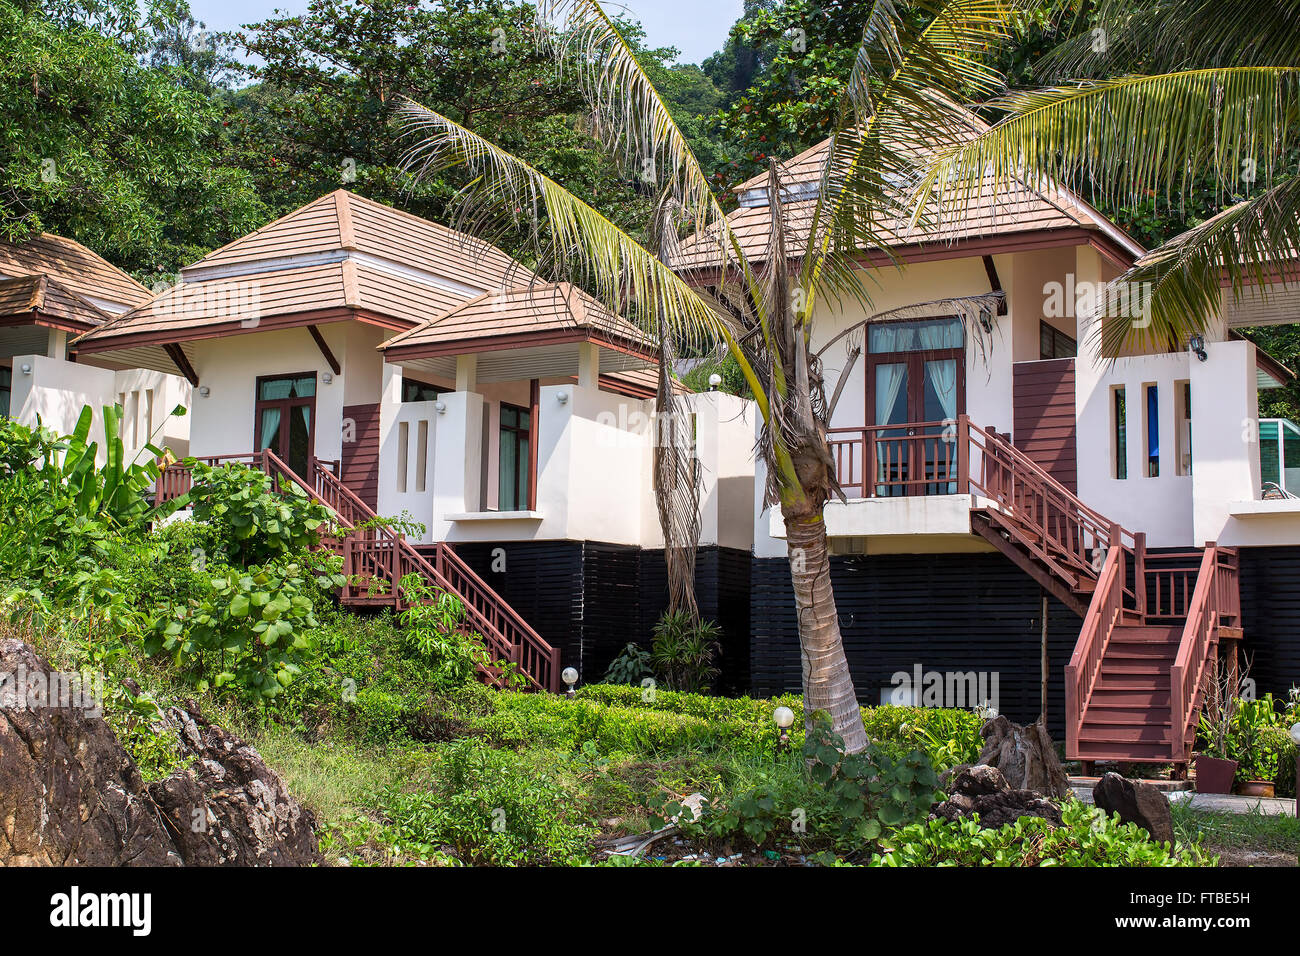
784	718
1295	739
570	676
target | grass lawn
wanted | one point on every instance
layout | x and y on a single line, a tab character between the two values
1241	839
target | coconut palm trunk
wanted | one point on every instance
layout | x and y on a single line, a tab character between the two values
901	97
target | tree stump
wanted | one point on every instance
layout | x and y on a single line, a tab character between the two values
1025	755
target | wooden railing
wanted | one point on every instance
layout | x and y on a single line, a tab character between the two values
1104	613
894	461
1170	585
376	559
1216	601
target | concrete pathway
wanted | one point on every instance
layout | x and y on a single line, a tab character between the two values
1220	803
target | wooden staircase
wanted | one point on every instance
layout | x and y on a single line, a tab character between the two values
1151	622
376	559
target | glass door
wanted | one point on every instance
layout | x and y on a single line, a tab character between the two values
285	419
513	479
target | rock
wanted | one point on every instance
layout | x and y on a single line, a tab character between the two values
230	808
70	795
1025	755
1136	802
982	790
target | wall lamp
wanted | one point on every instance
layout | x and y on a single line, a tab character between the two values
204	391
25	369
714	381
563	397
327	378
1197	346
440	407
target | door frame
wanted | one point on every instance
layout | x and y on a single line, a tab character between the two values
915	362
261	403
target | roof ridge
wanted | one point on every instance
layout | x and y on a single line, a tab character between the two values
261	229
94	255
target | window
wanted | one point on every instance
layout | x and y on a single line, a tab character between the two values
6	389
512	485
922	335
403	451
1055	344
1152	430
1183	421
414	390
1119	432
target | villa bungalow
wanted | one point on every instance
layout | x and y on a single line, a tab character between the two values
1005	471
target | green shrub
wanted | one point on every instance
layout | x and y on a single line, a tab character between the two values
432	628
491	807
256	523
1087	838
683	651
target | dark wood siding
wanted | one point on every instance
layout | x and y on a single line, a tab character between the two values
947	612
1044	426
360	461
591	599
1270	612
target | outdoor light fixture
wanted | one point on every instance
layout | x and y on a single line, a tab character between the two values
26	369
784	719
563	397
440	407
1295	739
714	381
1197	346
570	676
204	391
327	377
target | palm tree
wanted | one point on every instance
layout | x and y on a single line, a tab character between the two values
1196	89
900	100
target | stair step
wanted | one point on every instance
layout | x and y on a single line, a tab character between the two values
1137	696
1119	733
1128	668
1146	634
1141	651
1125	716
1132	753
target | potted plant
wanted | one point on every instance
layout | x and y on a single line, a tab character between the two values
1256	752
1215	768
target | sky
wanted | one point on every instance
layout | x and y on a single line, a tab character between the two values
696	27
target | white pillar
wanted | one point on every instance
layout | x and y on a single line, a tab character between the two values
588	365
1225	436
457	458
466	372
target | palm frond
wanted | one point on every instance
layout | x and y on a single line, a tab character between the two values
1160	36
904	102
1180	284
630	117
1128	138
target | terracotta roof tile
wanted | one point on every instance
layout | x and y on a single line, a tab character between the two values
40	293
75	267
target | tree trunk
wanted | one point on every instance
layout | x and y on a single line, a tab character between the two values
827	684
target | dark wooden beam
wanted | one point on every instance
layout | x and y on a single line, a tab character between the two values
325	349
175	353
995	283
534	411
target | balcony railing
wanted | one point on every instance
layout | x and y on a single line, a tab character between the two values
899	461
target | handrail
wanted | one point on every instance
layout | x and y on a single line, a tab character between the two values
380	552
1217	596
1104	612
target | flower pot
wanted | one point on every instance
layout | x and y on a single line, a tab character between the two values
1256	788
1214	775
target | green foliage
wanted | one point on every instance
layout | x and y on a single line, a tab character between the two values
872	790
259	523
433	629
1087	838
491	807
683	651
630	666
251	630
950	737
98	147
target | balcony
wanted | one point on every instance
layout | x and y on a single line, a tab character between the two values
910	459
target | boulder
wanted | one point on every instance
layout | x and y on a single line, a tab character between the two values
70	795
1025	755
229	807
1136	802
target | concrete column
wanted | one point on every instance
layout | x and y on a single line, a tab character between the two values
588	365
466	373
457	458
1225	435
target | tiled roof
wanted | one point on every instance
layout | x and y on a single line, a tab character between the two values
74	266
40	293
1008	211
544	307
338	252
